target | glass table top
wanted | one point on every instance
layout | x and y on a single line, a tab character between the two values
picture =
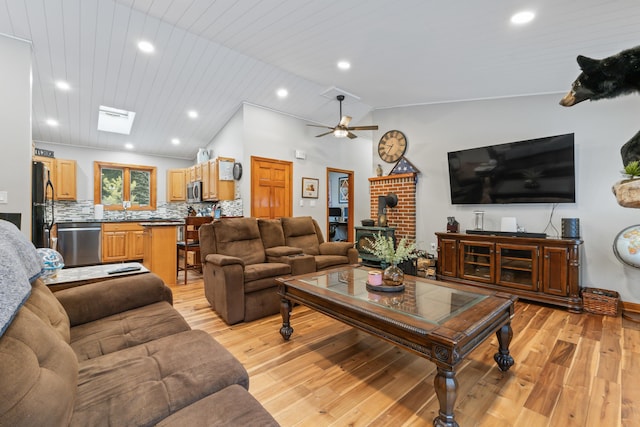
422	299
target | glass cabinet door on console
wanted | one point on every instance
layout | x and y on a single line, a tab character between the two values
517	266
477	261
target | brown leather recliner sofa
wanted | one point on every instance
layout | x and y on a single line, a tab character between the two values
242	257
112	353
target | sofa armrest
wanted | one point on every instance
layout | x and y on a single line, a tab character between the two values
222	260
94	301
280	251
335	248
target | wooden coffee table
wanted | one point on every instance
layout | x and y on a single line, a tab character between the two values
440	321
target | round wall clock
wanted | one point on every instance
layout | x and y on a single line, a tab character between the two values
392	146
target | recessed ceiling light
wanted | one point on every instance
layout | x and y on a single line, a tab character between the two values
193	114
523	17
344	65
175	141
282	93
128	146
146	46
62	85
52	122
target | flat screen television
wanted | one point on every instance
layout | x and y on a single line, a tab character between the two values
538	170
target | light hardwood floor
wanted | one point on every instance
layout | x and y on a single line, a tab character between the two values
570	370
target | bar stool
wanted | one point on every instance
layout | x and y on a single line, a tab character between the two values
189	248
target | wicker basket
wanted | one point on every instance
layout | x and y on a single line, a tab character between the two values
600	301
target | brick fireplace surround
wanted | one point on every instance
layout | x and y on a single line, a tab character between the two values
403	216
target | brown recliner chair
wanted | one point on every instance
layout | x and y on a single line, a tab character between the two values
239	283
304	232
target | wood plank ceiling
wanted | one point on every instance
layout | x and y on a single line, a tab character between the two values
212	56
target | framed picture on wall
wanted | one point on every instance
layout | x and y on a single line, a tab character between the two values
343	190
310	188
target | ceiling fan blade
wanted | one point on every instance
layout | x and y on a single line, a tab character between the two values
344	121
320	126
323	134
352	135
372	127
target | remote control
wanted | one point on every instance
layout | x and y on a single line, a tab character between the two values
124	270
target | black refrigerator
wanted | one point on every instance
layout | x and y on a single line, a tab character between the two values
42	209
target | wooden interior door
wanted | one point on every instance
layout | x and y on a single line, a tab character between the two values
271	189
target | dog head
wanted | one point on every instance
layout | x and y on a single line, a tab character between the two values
600	78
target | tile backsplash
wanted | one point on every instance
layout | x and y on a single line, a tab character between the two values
82	210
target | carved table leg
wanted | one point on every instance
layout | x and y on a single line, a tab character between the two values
285	311
503	358
445	384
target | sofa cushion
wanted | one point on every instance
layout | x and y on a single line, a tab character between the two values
126	329
265	270
240	237
230	407
300	232
271	232
142	385
39	373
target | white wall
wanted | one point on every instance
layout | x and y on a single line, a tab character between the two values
600	130
277	136
86	156
15	129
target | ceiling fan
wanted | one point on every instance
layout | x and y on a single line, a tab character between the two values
342	129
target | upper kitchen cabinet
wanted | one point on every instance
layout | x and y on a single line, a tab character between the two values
62	174
65	179
177	185
217	179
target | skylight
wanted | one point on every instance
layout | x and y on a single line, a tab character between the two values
115	120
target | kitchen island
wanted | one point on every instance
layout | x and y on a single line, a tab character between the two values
160	254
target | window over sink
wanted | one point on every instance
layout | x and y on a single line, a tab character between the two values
115	183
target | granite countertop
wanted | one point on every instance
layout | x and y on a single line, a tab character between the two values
87	220
161	223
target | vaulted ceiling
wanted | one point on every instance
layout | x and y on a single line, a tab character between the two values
213	55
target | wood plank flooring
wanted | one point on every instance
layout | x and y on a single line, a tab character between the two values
570	370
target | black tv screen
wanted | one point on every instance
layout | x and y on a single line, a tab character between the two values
538	170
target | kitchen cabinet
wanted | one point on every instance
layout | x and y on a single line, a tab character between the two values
538	269
62	173
209	187
214	188
122	241
176	185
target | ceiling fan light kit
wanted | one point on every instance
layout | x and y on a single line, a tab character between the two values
342	129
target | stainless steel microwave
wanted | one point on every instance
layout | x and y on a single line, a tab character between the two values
194	192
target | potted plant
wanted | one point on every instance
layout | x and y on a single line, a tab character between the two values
632	170
385	249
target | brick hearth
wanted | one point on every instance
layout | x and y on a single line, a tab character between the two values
403	216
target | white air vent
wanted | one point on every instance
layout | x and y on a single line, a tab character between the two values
114	120
333	92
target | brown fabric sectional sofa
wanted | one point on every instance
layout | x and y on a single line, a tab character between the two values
116	353
242	257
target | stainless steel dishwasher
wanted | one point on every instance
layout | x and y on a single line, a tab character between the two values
80	243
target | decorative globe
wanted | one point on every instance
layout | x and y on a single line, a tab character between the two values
51	261
626	246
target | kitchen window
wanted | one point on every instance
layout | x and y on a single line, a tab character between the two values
116	183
